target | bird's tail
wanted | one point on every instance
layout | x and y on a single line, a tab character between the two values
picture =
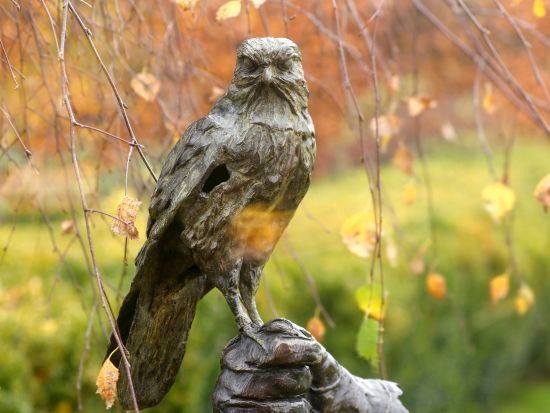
154	323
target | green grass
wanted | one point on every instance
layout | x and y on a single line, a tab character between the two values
462	354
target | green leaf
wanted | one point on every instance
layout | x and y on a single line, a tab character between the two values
367	339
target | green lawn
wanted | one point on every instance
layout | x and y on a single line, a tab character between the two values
461	354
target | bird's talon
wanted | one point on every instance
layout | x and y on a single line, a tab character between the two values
252	333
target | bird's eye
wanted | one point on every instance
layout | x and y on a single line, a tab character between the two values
285	64
249	64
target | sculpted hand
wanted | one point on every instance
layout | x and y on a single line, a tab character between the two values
294	374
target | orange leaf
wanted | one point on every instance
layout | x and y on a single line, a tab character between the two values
403	159
316	327
436	285
499	287
106	383
542	192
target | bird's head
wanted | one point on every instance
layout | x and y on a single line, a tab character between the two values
270	67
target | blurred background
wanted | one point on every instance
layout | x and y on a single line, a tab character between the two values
420	254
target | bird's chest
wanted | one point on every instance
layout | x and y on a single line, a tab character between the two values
270	155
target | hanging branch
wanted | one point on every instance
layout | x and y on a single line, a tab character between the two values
68	105
121	104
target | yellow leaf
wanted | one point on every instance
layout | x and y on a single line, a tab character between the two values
499	287
258	3
488	102
126	213
67	226
359	234
227	10
146	86
106	383
316	327
369	300
418	104
186	4
538	9
408	195
403	159
499	200
542	192
525	298
436	285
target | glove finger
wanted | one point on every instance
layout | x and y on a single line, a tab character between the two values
299	405
263	384
278	350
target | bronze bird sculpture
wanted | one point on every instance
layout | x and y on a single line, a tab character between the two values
226	192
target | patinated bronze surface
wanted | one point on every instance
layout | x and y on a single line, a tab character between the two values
295	374
226	192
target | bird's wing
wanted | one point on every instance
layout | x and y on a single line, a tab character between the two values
184	171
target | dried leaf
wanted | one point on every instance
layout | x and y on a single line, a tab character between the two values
316	327
146	86
359	234
408	195
67	226
126	213
227	10
499	287
403	159
388	125
539	10
436	285
525	298
369	300
418	104
258	3
448	132
394	83
367	340
106	383
186	4
391	253
542	192
417	265
215	93
499	200
488	102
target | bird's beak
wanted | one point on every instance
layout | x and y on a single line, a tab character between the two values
267	75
